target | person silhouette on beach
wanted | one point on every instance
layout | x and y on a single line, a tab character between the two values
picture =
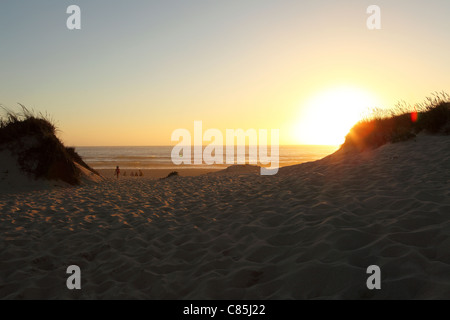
117	172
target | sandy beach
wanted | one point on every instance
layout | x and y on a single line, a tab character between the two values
153	174
309	232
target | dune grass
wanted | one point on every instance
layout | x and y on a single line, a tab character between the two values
15	125
401	123
32	136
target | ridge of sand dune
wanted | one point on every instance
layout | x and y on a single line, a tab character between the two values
309	232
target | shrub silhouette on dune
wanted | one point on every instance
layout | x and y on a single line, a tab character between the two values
401	123
32	138
172	174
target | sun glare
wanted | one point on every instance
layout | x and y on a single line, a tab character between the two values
327	117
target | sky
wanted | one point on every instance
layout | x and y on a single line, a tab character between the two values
138	70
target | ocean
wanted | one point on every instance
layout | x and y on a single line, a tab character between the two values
159	157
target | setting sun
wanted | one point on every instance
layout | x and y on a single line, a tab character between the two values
327	116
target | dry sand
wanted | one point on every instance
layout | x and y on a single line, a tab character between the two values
308	232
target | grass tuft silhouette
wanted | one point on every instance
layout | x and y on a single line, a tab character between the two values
401	123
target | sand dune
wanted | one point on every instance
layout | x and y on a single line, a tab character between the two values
308	232
13	179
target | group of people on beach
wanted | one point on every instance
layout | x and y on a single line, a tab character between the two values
133	174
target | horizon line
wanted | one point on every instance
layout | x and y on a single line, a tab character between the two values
224	146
